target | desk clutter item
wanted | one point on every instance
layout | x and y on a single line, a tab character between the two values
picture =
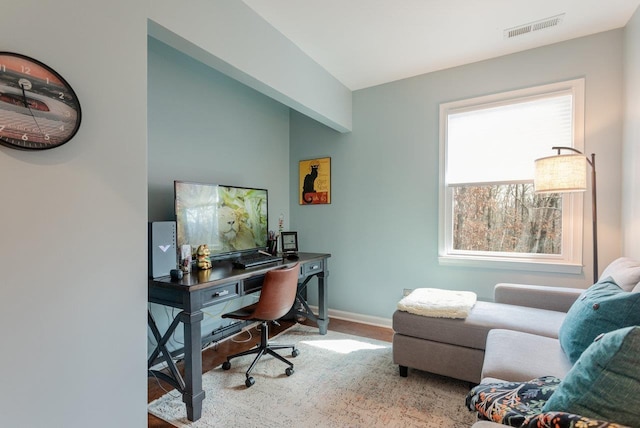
203	259
289	243
255	259
175	274
162	248
185	258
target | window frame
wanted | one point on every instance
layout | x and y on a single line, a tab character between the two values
570	260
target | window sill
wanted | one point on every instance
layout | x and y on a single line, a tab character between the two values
511	264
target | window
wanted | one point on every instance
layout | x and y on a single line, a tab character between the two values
489	213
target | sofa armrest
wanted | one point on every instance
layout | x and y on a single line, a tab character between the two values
536	296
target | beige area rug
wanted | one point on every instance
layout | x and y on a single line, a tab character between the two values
339	381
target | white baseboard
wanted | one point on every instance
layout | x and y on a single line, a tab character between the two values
363	319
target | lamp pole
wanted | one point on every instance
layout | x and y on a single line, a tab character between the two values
594	207
594	216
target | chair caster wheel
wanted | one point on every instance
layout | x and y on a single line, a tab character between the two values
289	371
226	365
250	381
295	353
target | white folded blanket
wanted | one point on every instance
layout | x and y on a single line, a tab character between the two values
434	302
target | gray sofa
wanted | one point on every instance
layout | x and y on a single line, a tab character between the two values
514	338
456	347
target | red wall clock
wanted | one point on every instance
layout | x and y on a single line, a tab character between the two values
38	108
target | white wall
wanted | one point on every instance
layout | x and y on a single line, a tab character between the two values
382	224
73	229
631	149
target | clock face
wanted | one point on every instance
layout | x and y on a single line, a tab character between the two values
38	108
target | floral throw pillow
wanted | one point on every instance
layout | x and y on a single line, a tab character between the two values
565	420
511	403
519	404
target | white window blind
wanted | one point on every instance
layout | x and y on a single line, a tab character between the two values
499	143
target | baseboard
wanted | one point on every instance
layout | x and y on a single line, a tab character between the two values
360	318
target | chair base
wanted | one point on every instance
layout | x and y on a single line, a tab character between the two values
261	349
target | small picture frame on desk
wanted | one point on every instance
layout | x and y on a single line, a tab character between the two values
289	242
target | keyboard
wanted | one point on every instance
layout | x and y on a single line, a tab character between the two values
254	259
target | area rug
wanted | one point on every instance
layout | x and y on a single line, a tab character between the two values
339	381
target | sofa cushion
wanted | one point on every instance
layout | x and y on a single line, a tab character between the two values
517	357
624	271
605	381
603	307
472	331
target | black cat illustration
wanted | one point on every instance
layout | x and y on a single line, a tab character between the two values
308	185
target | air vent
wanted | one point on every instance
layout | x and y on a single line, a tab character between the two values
533	26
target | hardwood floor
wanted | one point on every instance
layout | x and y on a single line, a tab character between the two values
214	356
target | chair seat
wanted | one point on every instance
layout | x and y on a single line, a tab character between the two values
245	313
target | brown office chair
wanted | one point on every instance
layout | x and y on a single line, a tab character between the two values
276	299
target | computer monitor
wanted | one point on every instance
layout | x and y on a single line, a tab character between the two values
229	219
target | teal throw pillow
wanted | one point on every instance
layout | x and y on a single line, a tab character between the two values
605	382
601	308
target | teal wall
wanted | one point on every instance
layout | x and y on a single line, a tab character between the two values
382	224
205	127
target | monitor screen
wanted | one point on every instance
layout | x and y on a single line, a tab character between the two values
228	219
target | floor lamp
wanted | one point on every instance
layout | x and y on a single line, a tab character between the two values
568	173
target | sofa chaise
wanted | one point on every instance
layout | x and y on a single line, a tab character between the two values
456	347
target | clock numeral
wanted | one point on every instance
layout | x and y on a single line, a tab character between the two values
2	128
61	127
25	69
3	68
61	96
25	137
67	113
46	137
47	80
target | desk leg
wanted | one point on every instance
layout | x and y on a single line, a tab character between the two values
193	394
323	316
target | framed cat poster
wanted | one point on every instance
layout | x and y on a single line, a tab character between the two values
315	181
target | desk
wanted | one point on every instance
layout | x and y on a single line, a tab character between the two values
201	289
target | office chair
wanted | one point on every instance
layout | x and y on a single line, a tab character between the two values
276	299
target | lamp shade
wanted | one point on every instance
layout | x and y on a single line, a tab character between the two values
561	173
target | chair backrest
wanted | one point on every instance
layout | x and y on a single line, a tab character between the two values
278	293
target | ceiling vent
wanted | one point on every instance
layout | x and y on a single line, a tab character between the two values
533	26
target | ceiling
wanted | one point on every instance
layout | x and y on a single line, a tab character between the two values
364	43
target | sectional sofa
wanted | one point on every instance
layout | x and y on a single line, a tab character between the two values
527	333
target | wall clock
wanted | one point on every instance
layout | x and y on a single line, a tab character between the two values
38	108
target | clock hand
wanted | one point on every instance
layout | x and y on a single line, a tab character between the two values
24	97
27	105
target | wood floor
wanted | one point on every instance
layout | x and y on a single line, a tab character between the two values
214	356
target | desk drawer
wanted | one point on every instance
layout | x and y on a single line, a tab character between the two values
312	267
219	294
